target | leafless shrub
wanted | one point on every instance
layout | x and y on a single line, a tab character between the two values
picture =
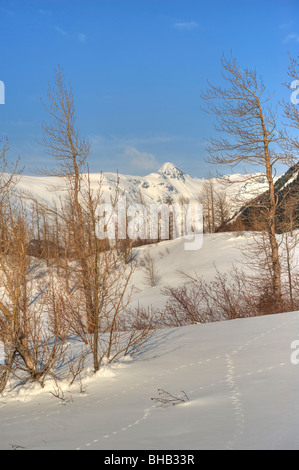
31	351
165	398
57	392
228	296
76	367
17	447
140	323
184	305
151	272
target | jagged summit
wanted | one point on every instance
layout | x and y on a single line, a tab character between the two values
171	171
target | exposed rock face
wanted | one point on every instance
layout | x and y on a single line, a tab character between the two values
171	171
253	215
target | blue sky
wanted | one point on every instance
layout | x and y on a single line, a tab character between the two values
137	69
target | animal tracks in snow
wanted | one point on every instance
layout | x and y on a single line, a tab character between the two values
219	376
145	415
226	374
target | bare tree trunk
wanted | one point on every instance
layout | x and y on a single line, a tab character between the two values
272	221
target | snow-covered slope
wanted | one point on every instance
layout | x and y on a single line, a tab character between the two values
241	385
172	263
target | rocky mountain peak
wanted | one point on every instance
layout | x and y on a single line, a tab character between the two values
171	171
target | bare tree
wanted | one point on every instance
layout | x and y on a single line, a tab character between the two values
244	115
98	276
9	176
291	147
63	141
208	200
215	206
222	208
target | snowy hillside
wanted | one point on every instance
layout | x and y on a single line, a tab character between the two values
172	263
235	379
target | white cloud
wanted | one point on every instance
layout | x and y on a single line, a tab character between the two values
185	25
291	37
60	31
81	37
141	160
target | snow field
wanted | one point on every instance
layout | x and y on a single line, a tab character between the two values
241	385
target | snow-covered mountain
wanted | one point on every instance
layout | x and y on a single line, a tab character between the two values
169	183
